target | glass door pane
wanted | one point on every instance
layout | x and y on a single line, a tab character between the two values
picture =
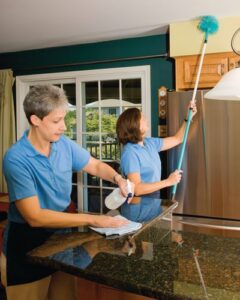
70	119
102	103
131	90
110	89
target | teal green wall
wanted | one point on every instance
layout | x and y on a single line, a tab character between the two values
55	60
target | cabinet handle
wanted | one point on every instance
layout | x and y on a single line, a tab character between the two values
233	65
220	69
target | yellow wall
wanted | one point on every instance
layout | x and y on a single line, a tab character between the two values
187	39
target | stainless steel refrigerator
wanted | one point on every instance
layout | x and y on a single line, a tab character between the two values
210	186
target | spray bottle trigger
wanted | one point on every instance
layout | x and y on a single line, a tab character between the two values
129	189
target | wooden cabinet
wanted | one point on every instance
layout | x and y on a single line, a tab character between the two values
234	62
213	68
89	290
107	293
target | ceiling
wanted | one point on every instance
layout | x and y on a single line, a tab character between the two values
31	24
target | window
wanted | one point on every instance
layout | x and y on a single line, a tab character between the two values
96	99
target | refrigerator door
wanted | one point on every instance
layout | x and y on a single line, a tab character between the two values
211	166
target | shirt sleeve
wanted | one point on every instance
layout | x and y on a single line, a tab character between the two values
156	142
80	157
20	182
130	163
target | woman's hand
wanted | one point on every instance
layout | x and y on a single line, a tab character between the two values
174	178
193	106
107	221
126	187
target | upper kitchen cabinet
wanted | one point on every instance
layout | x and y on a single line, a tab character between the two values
234	62
214	67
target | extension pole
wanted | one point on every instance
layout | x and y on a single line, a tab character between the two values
189	117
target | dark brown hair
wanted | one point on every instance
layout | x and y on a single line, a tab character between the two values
128	126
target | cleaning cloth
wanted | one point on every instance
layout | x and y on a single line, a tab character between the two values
127	228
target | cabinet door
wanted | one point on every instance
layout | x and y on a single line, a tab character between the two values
107	293
234	62
89	290
214	66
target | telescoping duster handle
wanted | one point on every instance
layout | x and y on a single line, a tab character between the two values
208	25
189	117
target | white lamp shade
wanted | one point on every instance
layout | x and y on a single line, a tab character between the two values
228	88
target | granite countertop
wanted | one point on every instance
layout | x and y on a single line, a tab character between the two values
156	261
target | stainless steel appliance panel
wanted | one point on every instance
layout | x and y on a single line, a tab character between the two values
211	165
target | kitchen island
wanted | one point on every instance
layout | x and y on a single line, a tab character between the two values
156	261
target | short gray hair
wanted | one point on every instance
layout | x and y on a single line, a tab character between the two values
42	99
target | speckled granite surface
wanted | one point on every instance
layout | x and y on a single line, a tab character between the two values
156	261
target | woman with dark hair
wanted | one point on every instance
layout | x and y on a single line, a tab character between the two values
140	160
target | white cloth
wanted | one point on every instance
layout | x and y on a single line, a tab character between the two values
129	227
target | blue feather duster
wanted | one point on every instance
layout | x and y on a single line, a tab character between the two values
208	25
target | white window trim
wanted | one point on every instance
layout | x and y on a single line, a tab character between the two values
23	83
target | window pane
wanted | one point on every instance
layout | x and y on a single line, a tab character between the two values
99	117
105	193
74	194
70	91
94	202
109	118
131	90
70	118
110	89
92	144
91	180
110	147
90	121
116	166
74	177
89	92
70	122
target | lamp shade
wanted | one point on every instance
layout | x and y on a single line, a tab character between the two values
228	88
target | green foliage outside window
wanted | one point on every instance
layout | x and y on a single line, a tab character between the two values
108	122
110	148
70	122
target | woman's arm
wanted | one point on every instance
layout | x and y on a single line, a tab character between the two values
142	188
177	139
104	171
35	216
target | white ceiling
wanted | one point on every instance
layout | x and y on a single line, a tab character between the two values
31	24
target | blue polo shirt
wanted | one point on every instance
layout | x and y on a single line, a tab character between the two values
144	160
30	173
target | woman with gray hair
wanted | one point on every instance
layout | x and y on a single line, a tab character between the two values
38	170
